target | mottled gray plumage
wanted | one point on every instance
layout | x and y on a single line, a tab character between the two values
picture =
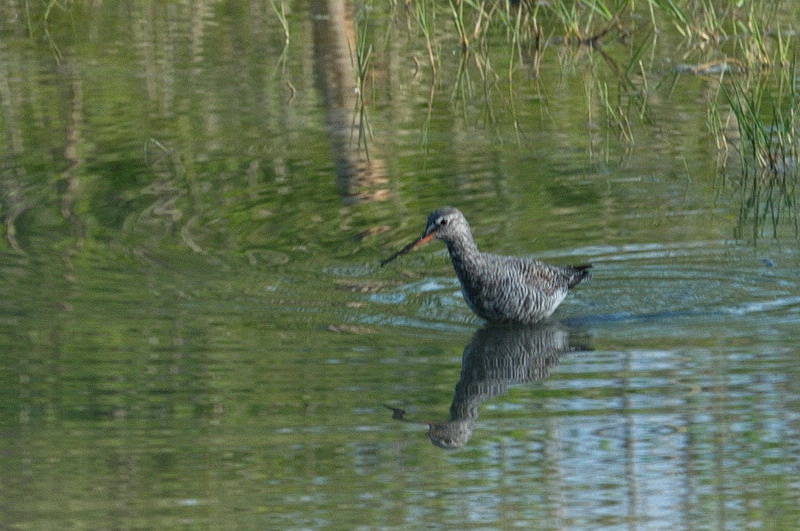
498	288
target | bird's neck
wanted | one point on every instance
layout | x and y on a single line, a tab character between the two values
462	250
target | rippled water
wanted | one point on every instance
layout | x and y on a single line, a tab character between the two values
196	331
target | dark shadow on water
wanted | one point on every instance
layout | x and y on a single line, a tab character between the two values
497	358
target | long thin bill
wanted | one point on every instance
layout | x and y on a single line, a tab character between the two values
422	239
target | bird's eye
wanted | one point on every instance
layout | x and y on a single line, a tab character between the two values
443	221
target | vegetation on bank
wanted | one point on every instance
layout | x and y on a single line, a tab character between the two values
746	49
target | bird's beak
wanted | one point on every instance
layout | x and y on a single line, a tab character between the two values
425	238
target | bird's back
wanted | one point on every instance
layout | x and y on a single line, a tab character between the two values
511	289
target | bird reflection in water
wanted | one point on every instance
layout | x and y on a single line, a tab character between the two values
496	358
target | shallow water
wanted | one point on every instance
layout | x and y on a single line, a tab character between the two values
197	333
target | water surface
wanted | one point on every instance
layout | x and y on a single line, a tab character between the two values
197	333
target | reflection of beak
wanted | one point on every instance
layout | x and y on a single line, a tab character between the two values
425	238
400	414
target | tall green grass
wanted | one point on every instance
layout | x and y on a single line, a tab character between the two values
737	48
736	43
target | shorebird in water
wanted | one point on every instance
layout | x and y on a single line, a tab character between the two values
499	289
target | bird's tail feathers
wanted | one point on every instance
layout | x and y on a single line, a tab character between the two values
577	274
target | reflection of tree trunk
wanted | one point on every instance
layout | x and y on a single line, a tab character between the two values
360	176
73	137
11	194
